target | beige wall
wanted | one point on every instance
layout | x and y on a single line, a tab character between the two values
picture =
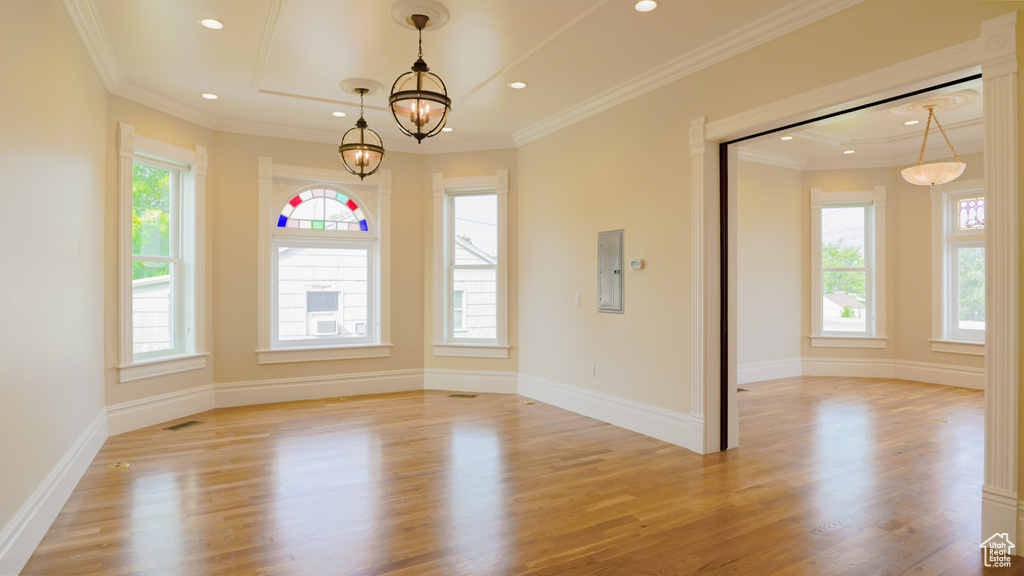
485	163
234	200
769	250
52	150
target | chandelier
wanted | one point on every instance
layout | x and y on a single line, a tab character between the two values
419	100
361	149
936	172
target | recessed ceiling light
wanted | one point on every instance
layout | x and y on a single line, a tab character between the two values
646	5
518	85
911	122
211	23
338	114
209	96
447	129
849	151
786	138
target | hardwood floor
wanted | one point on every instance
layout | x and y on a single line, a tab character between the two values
835	476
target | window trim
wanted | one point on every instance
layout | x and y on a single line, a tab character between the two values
190	349
378	184
443	189
944	214
875	336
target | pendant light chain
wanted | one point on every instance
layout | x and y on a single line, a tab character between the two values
931	114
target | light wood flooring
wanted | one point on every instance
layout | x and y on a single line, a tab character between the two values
834	476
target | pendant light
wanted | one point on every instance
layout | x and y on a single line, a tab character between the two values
361	149
419	100
936	172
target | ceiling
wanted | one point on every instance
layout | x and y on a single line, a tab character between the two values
878	136
276	65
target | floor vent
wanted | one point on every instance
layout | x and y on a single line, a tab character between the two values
183	425
742	390
462	395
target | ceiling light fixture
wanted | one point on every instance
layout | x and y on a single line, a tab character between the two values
416	91
646	5
936	172
786	138
849	151
518	85
210	96
212	24
447	129
338	114
361	149
911	122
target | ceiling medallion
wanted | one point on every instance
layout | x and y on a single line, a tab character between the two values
361	149
419	100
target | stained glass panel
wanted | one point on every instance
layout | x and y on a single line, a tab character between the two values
322	209
971	212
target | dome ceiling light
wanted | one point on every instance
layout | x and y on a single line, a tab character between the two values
419	100
936	173
361	149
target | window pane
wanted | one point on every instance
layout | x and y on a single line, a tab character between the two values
844	305
842	237
322	292
971	288
476	229
151	211
152	307
479	302
971	213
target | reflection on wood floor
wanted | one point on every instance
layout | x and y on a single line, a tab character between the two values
834	476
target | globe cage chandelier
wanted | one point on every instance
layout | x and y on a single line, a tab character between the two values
936	172
419	100
361	149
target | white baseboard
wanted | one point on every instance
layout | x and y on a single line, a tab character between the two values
672	427
768	370
136	414
947	375
471	381
288	389
1000	514
20	537
1020	528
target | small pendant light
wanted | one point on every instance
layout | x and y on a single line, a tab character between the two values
419	100
361	149
936	172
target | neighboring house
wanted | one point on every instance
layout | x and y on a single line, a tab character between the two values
834	305
333	303
474	296
151	314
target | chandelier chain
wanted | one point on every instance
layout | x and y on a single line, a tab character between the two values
931	114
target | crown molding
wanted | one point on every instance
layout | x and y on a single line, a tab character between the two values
157	101
267	46
770	27
87	24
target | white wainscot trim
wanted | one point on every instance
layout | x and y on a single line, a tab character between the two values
317	354
471	381
1020	526
849	342
768	370
944	374
956	347
673	427
161	367
23	533
312	388
144	412
471	350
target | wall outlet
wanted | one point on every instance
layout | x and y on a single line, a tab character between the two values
593	370
577	299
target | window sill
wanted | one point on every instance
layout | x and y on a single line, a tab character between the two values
317	354
161	367
472	350
849	342
958	347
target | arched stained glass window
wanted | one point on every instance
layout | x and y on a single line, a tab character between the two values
321	209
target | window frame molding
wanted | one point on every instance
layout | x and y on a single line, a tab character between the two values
875	200
443	190
191	315
379	184
943	218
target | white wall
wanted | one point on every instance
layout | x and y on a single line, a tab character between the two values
52	149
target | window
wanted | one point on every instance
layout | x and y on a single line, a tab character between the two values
470	266
848	268
324	291
161	189
958	268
